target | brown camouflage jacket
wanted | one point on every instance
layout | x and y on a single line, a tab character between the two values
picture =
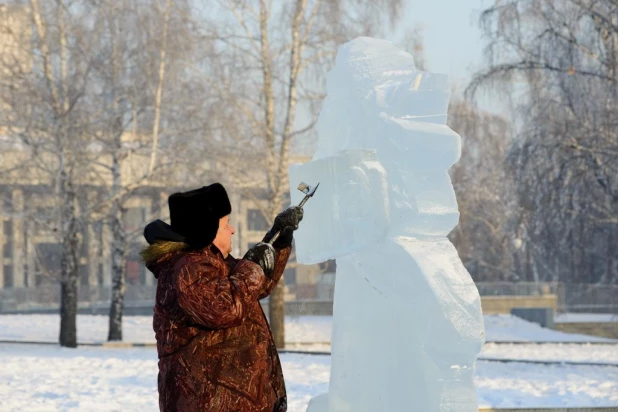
216	351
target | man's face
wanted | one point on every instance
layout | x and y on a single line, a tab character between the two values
223	240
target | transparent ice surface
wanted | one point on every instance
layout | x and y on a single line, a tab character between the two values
349	210
407	323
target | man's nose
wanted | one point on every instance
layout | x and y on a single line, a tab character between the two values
233	230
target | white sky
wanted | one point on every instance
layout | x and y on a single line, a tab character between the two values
452	37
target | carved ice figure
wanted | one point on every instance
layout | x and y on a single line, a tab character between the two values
407	324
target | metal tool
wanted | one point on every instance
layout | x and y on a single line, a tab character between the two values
308	191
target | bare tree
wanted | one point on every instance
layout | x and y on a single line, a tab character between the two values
562	57
142	49
88	103
482	237
414	43
45	104
129	98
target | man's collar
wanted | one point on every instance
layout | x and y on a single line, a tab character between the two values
216	251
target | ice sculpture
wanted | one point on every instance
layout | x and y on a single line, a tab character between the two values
407	324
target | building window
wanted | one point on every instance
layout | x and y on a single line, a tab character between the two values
7	249
8	236
43	223
8	276
134	275
83	272
48	262
289	276
330	266
256	221
100	273
7	204
8	228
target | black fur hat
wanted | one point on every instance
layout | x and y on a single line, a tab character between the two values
195	214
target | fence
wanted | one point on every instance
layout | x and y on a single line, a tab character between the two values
518	288
572	297
47	297
589	298
582	298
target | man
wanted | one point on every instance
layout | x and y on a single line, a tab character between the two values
216	351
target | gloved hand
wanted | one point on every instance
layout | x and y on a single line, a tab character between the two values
286	222
289	217
264	255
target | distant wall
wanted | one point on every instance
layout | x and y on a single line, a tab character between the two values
293	308
308	308
493	305
603	329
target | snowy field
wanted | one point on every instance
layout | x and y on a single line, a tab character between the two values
303	329
50	378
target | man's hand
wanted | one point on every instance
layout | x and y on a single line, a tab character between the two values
286	222
290	217
264	255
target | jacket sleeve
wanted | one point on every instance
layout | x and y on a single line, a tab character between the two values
281	260
215	301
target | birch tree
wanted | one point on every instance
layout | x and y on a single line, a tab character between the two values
129	98
45	107
134	74
91	99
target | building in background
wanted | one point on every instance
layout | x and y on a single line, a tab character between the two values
30	258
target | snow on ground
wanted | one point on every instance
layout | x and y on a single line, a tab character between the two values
50	378
586	317
303	329
553	352
509	328
308	329
312	333
519	385
42	378
94	328
90	328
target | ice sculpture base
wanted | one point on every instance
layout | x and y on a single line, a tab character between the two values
318	404
406	320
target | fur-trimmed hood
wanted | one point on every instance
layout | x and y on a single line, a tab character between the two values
157	251
163	244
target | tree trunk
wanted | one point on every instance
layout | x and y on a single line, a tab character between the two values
529	270
609	260
119	249
119	258
276	303
276	311
119	242
69	261
159	93
269	97
279	173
